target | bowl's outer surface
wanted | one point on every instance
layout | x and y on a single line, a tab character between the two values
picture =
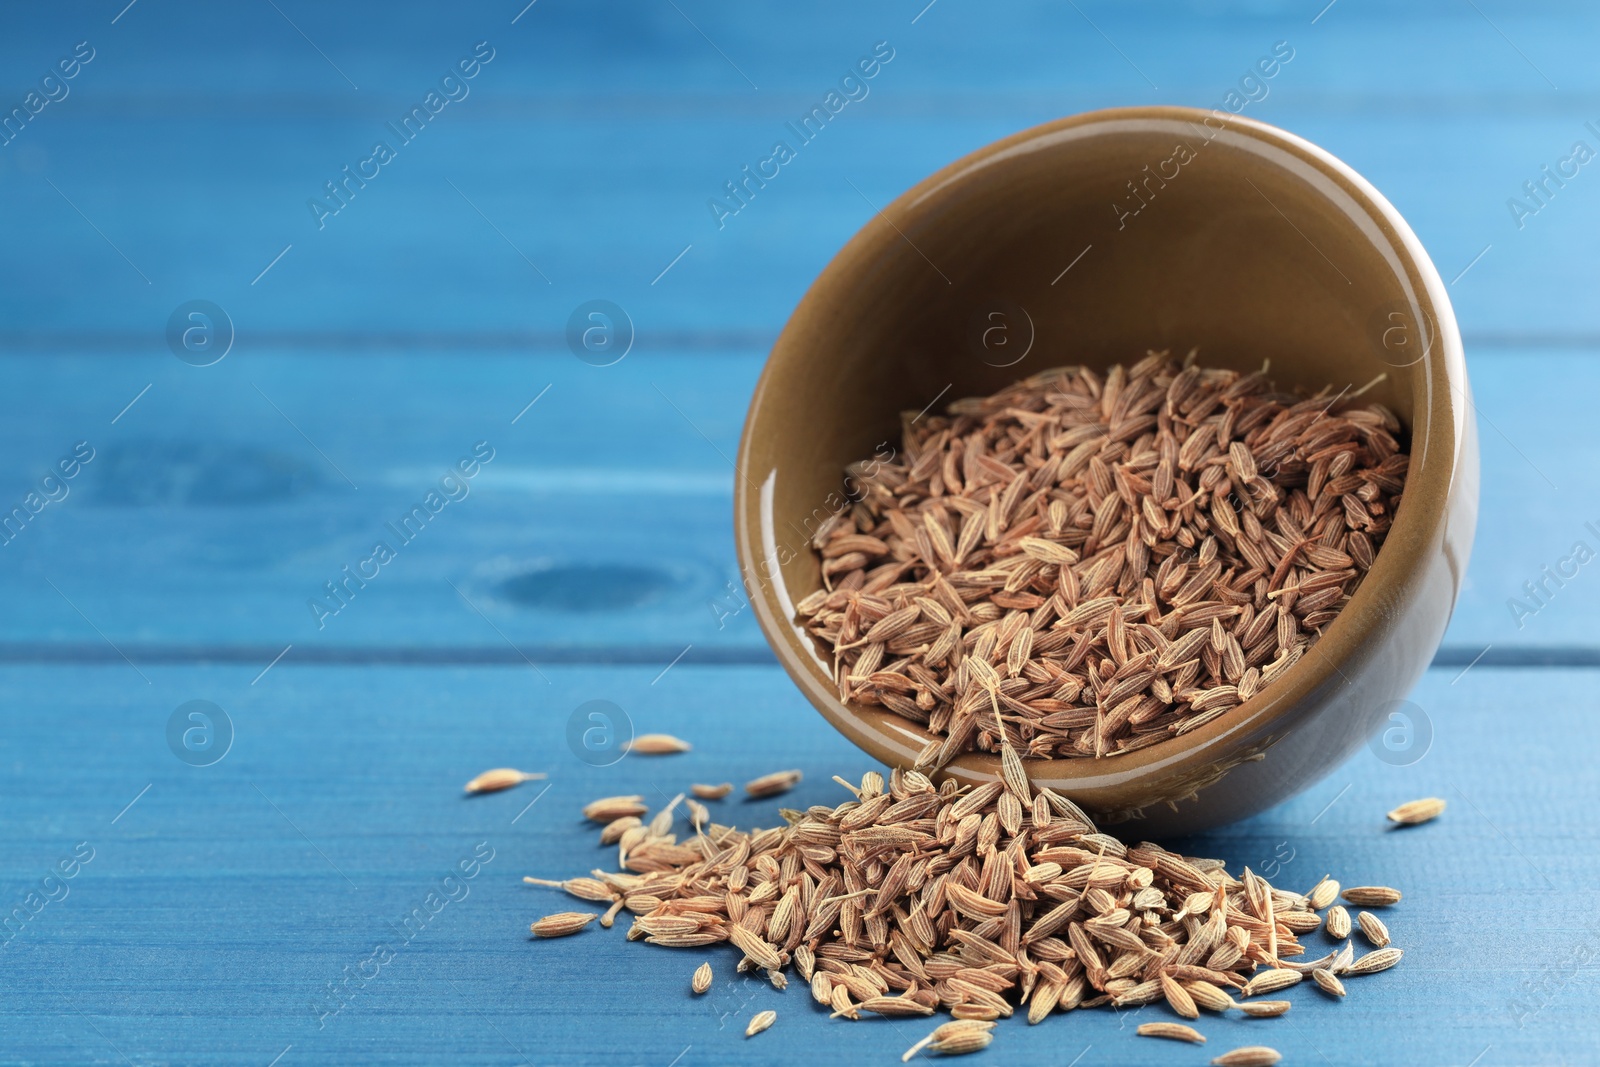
1183	229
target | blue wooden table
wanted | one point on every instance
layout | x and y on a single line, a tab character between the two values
291	887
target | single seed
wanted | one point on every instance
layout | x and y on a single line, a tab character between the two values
770	785
657	745
1300	922
1175	1031
752	945
501	778
699	814
1372	896
1415	811
955	1038
1373	928
1015	775
661	823
1323	893
1178	998
1343	958
1310	965
1263	1009
1373	962
631	838
712	792
590	889
1209	997
617	827
562	923
1327	982
609	809
894	1006
1248	1056
1271	981
760	1021
1338	923
1137	995
702	979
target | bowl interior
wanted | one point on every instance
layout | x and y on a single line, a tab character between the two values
1088	241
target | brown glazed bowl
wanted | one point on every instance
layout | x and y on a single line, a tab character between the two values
1091	240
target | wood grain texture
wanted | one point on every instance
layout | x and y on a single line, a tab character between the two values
216	909
201	177
222	902
208	520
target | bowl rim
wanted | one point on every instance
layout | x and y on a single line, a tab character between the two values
1397	569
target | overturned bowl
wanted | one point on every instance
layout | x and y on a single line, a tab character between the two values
1090	241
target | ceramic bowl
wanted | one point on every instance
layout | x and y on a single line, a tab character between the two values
1092	240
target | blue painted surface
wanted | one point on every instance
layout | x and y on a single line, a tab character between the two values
375	353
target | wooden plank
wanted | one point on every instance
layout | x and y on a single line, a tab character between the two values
198	167
602	519
412	254
258	53
208	520
219	906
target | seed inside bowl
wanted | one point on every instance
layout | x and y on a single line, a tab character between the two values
1094	563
